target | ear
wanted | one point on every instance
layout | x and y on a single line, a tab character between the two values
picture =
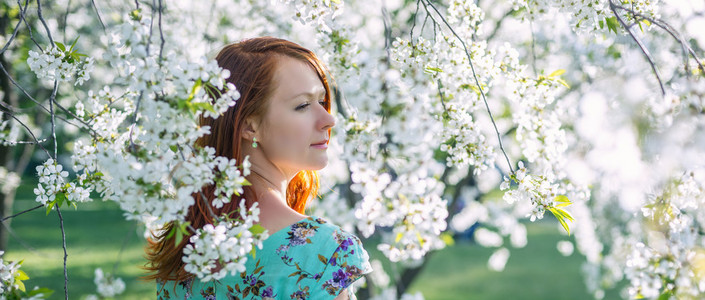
250	127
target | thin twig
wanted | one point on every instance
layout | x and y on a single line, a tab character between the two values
643	48
387	31
411	32
12	143
97	12
52	99
44	22
498	24
22	212
474	74
161	33
122	248
63	240
66	19
14	32
87	126
533	48
29	28
29	131
440	94
670	30
22	89
19	240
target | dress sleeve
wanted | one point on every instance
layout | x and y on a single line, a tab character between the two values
347	262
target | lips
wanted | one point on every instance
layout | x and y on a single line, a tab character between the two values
321	143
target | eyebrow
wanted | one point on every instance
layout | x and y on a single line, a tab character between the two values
322	93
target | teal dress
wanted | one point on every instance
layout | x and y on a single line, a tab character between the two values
311	259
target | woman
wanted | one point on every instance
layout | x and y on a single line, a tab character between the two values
282	121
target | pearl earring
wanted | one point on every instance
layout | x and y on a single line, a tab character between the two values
254	142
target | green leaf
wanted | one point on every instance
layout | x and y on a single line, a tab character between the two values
564	224
612	24
665	296
171	232
447	239
257	229
135	15
433	69
561	215
561	198
73	44
558	72
60	46
49	206
179	237
60	197
419	238
202	106
562	201
564	214
44	291
196	87
21	275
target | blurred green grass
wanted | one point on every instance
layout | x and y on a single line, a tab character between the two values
96	231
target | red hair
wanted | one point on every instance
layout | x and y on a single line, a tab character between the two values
252	64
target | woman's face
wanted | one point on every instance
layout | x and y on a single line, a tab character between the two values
294	129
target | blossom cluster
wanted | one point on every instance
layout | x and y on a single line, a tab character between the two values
52	183
538	189
314	11
11	285
143	127
375	124
9	274
149	167
107	285
57	64
9	181
587	15
671	259
464	142
221	248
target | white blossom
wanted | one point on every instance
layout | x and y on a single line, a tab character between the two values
225	244
107	285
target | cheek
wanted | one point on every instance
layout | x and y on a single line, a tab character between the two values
288	136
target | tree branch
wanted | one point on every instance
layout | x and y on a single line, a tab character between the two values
22	212
63	240
643	48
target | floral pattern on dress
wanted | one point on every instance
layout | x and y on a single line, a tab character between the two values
311	259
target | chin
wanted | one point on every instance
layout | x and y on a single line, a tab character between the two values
318	165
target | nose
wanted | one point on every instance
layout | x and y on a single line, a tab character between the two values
325	120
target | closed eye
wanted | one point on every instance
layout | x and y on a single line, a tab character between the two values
305	105
302	106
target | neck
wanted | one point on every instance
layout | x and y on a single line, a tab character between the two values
269	184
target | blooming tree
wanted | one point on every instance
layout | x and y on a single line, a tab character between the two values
589	110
